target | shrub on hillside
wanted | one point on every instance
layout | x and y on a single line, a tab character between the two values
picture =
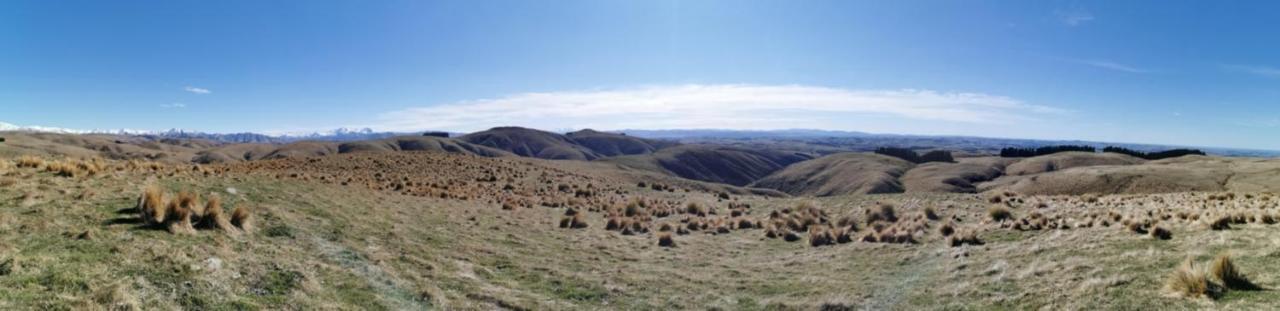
913	157
1173	153
1013	152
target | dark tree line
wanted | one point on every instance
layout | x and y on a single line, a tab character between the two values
1012	152
913	157
1173	153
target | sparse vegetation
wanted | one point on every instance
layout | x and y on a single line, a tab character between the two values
1012	152
1174	153
1188	280
999	213
1225	271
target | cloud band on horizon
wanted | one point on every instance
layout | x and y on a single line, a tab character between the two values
727	106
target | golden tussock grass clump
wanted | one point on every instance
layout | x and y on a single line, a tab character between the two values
1188	280
573	222
665	239
214	217
999	213
882	212
947	229
178	219
967	237
191	202
151	205
1225	271
242	218
1220	223
62	168
1161	233
819	236
1137	227
931	214
29	161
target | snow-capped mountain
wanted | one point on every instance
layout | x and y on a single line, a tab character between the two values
340	134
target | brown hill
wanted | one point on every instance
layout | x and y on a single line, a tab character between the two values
837	174
1190	173
719	164
959	177
611	144
251	152
106	146
1066	160
420	143
531	143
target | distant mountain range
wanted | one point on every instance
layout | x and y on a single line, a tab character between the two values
811	140
824	141
340	134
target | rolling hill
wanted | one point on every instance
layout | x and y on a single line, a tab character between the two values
718	164
843	173
531	143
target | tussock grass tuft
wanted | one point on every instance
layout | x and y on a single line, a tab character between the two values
999	213
882	212
947	229
1161	233
214	217
967	237
931	214
151	206
178	219
665	239
1225	271
1188	280
1220	223
29	161
242	218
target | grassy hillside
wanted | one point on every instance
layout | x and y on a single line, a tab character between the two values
363	238
841	173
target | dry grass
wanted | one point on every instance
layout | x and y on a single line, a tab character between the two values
214	217
151	206
1188	280
1223	270
178	219
1161	233
665	239
882	212
968	237
29	161
999	213
242	218
1220	223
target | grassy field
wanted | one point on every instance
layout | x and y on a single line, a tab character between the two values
76	243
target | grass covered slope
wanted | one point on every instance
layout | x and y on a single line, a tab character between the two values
611	144
527	142
1065	160
711	163
959	177
71	241
837	174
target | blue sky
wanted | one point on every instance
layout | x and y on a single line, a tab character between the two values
1170	72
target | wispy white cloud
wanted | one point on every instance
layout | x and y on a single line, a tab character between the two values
196	90
1265	71
729	106
1109	65
173	105
1073	17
